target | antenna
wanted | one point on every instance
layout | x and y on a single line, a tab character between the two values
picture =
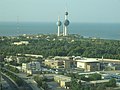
58	18
65	5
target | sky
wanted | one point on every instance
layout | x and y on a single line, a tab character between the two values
83	11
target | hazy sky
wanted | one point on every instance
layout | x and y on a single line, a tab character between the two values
49	10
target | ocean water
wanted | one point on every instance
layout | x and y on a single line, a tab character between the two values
98	30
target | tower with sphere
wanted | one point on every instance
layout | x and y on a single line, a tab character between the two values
59	23
66	23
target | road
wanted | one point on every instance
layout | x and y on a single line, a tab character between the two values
11	83
55	86
5	85
26	85
110	72
29	80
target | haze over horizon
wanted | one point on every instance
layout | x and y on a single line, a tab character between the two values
82	11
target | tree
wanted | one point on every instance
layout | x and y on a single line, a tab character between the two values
76	85
101	87
96	76
111	83
45	85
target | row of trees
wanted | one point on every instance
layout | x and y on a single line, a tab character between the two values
65	47
90	77
77	85
15	78
11	68
41	82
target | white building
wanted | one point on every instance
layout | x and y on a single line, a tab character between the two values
32	66
64	81
17	59
88	64
33	55
21	43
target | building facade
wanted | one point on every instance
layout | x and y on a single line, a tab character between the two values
64	81
31	67
59	62
88	64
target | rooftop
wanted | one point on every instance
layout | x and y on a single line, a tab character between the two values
87	60
99	81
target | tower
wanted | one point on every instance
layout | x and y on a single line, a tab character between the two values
59	23
66	23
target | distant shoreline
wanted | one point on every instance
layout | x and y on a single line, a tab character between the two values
98	30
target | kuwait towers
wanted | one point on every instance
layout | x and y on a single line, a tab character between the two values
65	25
59	23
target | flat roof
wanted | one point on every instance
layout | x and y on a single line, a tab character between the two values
88	60
62	76
99	81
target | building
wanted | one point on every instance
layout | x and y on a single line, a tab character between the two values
33	55
88	64
18	59
9	58
21	43
98	82
31	67
64	81
59	62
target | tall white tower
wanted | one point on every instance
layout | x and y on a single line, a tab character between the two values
59	23
66	23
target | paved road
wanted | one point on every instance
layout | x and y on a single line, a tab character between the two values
11	83
5	85
33	84
29	80
55	86
26	85
110	72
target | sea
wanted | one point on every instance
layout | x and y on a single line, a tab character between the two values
96	30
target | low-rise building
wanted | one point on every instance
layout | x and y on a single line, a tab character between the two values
17	59
64	81
59	62
21	43
9	58
88	64
98	82
31	67
33	55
